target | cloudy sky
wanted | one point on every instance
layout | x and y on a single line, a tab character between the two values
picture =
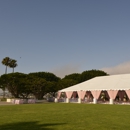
66	36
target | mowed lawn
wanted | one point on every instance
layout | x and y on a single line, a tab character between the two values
62	116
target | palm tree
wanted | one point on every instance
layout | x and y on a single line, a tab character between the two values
13	64
6	62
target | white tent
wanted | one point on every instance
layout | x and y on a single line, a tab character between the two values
114	85
113	82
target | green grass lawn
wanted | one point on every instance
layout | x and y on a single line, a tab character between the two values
61	116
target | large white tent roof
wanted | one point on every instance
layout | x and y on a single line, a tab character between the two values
113	82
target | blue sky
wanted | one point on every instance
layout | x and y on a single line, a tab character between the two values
66	36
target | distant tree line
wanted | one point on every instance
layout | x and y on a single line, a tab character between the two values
20	85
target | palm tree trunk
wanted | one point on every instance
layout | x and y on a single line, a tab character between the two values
13	69
6	70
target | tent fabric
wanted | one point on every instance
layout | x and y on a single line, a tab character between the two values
58	95
112	82
69	94
81	94
112	93
96	94
128	93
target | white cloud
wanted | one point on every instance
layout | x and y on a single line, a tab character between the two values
66	70
123	68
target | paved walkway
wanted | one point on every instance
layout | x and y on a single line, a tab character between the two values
5	103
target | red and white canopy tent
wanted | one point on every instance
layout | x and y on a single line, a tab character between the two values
112	84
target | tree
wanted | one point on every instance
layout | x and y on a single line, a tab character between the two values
6	62
51	87
15	84
21	85
74	76
37	86
46	75
40	86
3	88
64	83
86	75
13	64
50	83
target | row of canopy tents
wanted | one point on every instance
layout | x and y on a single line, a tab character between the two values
113	85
